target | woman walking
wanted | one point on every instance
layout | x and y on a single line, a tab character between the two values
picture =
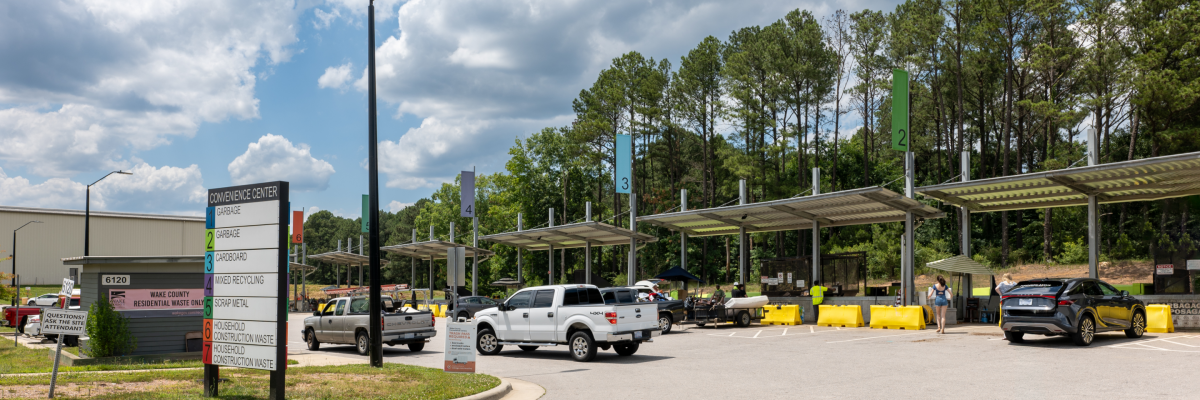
941	295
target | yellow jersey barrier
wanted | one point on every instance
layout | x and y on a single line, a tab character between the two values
888	317
1158	319
840	316
781	315
441	310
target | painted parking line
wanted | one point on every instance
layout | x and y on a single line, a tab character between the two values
1168	344
884	336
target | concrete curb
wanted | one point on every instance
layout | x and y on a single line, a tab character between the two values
491	394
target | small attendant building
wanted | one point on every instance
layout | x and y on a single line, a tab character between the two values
162	296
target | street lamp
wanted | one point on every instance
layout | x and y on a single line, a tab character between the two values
17	284
87	214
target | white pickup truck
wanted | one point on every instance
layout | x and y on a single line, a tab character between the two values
574	315
346	321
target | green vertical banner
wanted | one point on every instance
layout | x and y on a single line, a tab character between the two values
900	133
366	218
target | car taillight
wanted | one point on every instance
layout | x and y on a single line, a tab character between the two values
432	322
611	317
1066	302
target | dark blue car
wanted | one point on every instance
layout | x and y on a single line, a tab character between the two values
1079	308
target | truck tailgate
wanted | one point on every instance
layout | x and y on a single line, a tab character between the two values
635	317
407	322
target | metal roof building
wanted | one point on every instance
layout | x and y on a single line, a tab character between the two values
42	247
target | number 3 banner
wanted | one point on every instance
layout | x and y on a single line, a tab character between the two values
624	163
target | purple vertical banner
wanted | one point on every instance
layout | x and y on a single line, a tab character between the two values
208	285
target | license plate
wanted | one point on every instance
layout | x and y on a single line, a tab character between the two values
408	336
1024	302
637	335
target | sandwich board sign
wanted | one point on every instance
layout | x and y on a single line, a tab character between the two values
245	277
460	347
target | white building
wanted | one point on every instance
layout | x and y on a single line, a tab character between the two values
41	247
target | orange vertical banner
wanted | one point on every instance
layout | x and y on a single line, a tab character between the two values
297	227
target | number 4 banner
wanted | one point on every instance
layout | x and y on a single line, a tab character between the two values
467	195
900	133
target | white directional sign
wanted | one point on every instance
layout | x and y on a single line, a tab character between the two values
244	332
245	308
240	284
64	322
67	286
245	273
246	237
245	356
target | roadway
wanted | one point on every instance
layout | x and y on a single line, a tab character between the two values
969	361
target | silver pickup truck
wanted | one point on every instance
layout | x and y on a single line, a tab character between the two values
345	321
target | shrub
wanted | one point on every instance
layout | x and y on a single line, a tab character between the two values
1073	253
7	292
108	331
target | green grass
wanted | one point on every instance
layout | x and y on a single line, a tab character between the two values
21	359
393	381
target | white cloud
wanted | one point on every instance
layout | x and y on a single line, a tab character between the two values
274	158
326	18
335	77
479	73
396	206
148	189
105	78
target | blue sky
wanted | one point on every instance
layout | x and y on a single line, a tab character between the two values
192	95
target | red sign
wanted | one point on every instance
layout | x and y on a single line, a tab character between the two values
1164	269
297	227
207	352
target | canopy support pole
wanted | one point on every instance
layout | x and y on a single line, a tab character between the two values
550	271
965	241
430	264
587	252
816	229
906	264
742	239
412	280
520	277
1093	207
682	234
631	276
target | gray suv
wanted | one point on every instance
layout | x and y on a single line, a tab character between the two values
1078	308
467	306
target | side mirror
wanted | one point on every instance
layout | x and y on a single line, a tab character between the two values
1125	293
317	313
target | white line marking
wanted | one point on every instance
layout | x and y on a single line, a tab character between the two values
731	333
784	332
1181	344
812	330
756	334
877	337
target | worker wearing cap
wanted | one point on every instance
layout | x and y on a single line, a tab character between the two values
818	296
739	290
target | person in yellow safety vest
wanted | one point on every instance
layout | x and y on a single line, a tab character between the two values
818	296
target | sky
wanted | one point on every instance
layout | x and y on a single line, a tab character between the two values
192	95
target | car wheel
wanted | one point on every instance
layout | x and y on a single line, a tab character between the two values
1014	337
310	338
700	323
664	323
487	343
30	303
583	348
462	315
71	341
1137	326
21	326
743	318
626	349
362	343
415	347
528	348
1086	332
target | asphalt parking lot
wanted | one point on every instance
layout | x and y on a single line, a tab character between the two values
969	361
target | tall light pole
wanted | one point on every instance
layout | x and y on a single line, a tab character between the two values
375	299
87	214
17	284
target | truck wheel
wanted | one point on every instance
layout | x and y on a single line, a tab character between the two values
362	343
626	349
310	338
664	323
700	323
743	318
528	348
21	326
487	343
415	347
462	315
71	341
583	348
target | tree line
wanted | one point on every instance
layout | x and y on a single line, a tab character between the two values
1014	82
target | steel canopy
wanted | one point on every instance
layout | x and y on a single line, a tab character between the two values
843	208
344	258
960	264
1138	180
569	236
435	249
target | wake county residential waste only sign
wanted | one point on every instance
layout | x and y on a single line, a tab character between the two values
245	273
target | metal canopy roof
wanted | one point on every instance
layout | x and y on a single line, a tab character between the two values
960	264
302	267
847	207
1138	180
570	236
435	249
345	258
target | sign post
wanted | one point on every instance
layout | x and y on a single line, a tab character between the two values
245	275
901	138
62	323
467	210
623	168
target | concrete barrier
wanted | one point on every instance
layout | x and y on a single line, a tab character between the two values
781	315
889	317
840	316
1158	319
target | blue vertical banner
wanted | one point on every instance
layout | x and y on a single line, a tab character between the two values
624	162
